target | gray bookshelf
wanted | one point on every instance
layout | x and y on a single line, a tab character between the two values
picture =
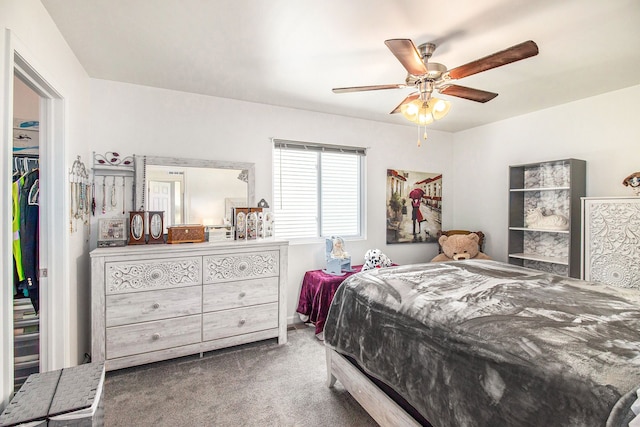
554	188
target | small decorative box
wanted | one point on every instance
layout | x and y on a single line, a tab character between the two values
186	233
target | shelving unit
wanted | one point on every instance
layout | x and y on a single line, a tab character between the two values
26	341
555	187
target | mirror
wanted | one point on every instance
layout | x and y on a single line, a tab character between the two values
193	191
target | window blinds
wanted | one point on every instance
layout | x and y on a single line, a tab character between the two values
317	190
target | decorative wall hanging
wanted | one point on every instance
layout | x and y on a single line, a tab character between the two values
117	178
414	206
79	191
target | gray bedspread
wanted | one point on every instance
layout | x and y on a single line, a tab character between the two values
483	343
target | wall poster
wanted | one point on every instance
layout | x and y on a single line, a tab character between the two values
414	206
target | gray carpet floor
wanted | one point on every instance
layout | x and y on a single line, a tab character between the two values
260	384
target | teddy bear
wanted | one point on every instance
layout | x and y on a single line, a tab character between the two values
374	258
459	247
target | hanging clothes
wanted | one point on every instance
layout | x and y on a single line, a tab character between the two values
15	226
29	232
25	227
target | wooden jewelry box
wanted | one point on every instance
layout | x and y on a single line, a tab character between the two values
186	233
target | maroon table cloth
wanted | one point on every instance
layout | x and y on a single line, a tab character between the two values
317	292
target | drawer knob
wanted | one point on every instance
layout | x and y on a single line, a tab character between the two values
242	294
242	321
155	306
155	336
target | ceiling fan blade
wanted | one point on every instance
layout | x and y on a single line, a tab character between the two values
504	57
407	100
408	55
468	93
364	88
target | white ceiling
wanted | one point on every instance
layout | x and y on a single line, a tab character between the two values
291	53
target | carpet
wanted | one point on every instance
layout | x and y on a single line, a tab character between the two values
259	384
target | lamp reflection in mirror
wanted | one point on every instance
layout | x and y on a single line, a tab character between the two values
424	112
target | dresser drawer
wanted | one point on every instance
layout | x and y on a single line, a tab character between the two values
151	336
133	276
241	266
123	309
223	296
221	324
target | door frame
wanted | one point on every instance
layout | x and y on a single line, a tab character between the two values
54	218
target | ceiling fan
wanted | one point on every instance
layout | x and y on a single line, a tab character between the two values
429	76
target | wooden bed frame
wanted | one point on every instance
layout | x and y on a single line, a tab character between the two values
381	407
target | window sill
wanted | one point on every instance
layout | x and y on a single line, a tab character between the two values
320	240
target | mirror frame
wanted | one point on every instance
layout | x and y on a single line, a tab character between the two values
143	161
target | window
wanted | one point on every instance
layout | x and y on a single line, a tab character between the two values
318	190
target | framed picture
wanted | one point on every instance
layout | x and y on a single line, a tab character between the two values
112	232
414	206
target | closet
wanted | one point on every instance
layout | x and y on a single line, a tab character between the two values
25	227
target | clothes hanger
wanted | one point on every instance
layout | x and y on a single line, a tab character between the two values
34	196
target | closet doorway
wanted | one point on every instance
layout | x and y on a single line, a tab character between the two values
26	217
53	223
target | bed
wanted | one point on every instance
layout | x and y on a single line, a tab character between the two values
483	343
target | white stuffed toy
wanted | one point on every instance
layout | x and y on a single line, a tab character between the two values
374	258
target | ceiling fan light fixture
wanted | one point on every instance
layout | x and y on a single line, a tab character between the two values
410	110
425	119
417	111
440	108
425	112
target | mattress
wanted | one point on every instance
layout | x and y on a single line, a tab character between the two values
482	343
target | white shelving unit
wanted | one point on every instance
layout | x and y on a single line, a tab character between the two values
554	187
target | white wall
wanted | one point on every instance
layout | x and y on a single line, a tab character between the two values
603	130
140	120
45	49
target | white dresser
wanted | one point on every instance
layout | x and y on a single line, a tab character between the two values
156	302
611	240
